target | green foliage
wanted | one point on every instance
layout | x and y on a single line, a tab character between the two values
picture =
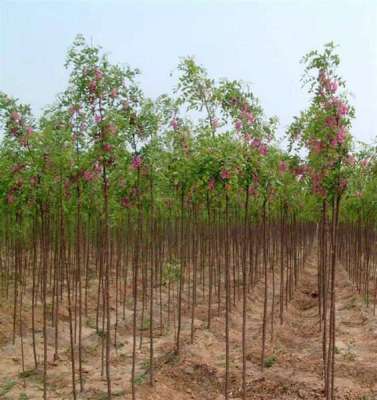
270	361
7	386
171	272
28	373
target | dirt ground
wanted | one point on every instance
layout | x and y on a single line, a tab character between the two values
294	354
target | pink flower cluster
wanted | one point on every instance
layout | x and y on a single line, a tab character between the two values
136	162
15	116
343	184
318	189
98	74
238	125
364	162
225	174
107	147
341	107
328	84
10	198
283	167
258	145
88	176
174	123
125	202
248	116
73	109
92	86
341	135
215	123
316	145
112	129
253	188
211	184
91	174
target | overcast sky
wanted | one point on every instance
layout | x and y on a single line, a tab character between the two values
260	42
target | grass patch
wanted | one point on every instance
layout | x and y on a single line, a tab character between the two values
270	361
349	354
28	373
351	304
101	333
7	386
140	378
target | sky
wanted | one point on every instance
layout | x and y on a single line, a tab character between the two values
258	41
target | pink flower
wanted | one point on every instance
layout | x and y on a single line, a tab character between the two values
252	190
263	150
136	162
92	86
29	130
332	86
73	109
256	143
283	167
174	123
211	184
107	147
341	108
99	74
225	174
97	118
125	202
341	135
364	162
97	167
247	137
17	168
315	145
334	142
343	184
331	122
112	129
318	189
10	198
238	125
215	123
322	76
15	116
299	171
88	176
248	116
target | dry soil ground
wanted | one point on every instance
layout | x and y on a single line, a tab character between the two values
295	371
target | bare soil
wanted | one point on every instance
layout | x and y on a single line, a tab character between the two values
198	373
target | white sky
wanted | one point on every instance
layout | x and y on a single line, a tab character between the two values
260	42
